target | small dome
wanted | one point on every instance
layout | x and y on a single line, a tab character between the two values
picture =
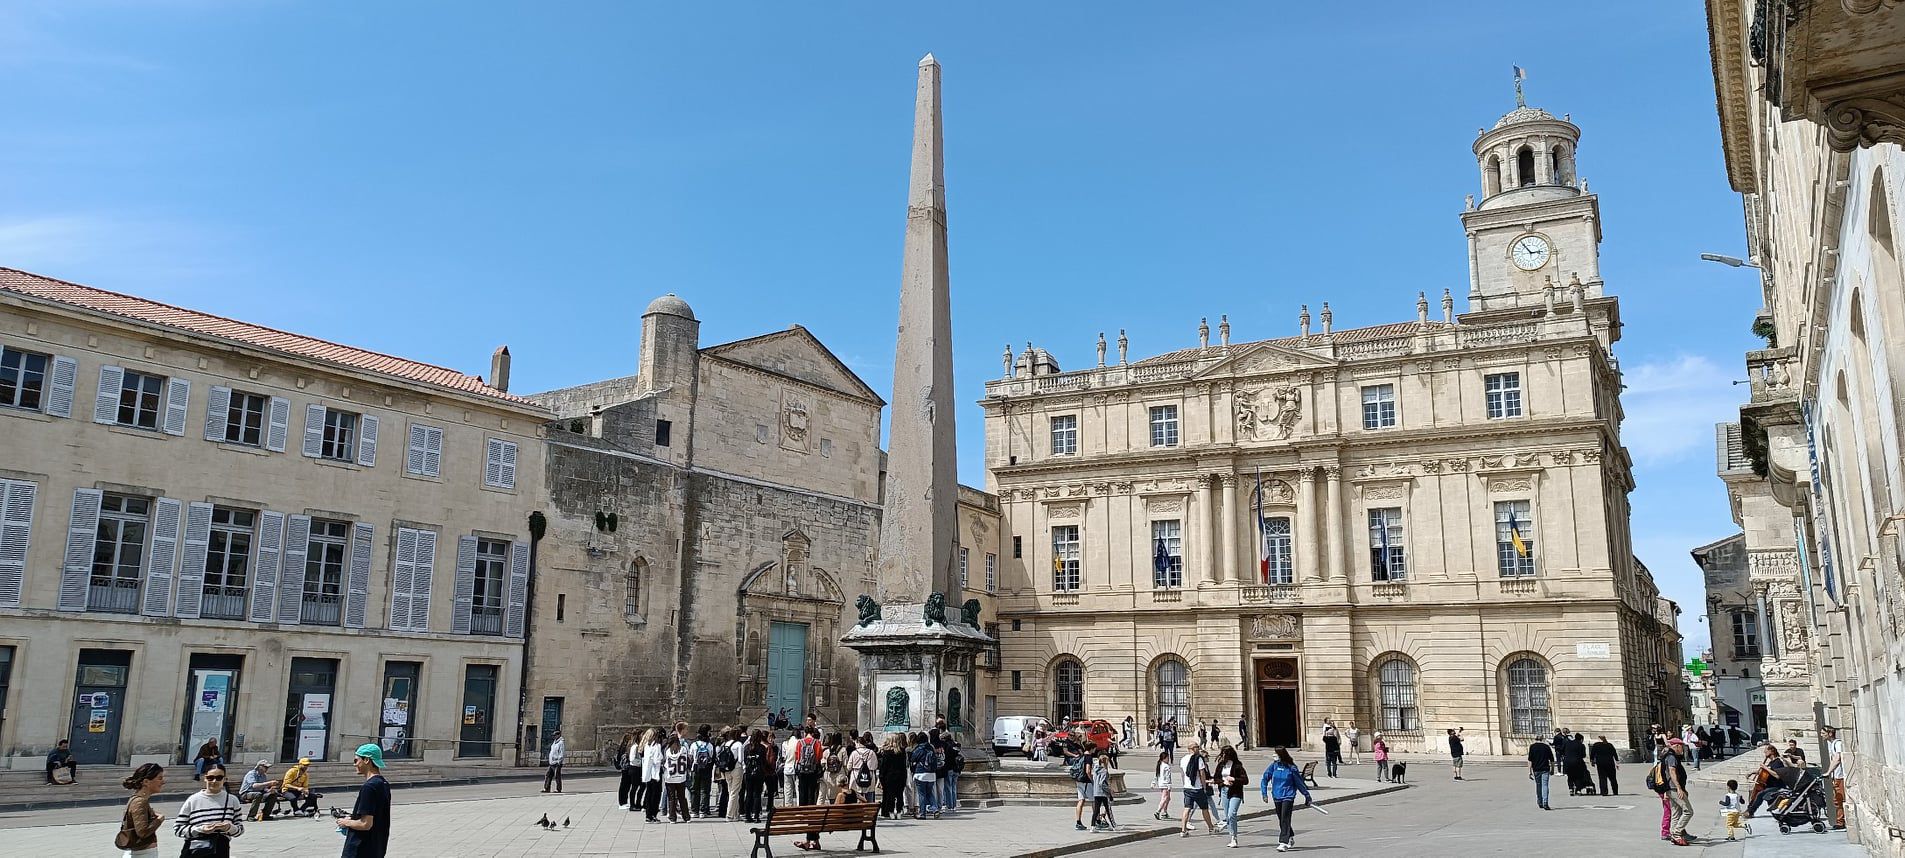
1523	114
671	306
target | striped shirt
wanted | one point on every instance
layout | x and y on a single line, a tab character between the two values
203	808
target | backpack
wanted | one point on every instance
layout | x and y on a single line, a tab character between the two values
863	779
1657	778
833	763
751	764
955	761
703	756
807	756
724	758
1078	769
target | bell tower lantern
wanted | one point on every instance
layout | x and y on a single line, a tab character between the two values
1536	227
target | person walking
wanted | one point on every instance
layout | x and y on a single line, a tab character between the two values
1605	760
1332	747
1232	778
1197	790
1216	733
1162	780
367	828
558	751
1130	732
1575	764
1692	742
1455	751
1281	783
1355	747
1243	732
1680	807
1379	751
1835	774
1732	806
139	827
1540	768
211	816
1100	771
630	773
1167	738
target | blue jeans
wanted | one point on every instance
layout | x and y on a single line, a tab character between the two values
949	791
1541	789
926	792
1233	807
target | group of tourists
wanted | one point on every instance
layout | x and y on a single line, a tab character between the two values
741	775
213	817
1208	786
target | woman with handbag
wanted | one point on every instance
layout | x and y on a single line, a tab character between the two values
210	818
139	828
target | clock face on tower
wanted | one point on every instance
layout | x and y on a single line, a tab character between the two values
1530	252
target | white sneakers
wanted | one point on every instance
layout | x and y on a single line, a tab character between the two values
1283	847
1232	844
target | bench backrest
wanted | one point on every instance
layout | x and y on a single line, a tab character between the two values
1308	768
827	817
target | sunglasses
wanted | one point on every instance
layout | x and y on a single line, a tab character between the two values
210	778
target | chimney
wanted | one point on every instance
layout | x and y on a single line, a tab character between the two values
499	369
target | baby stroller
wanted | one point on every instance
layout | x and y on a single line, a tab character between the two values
1799	800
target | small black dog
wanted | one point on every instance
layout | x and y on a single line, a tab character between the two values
1397	771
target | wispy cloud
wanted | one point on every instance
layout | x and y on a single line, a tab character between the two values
122	252
1672	404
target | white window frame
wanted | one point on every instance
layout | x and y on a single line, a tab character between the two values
116	574
1064	434
325	553
1066	573
42	388
236	414
1745	633
1508	562
1502	392
134	399
490	595
1379	406
1164	426
220	557
1393	565
992	572
965	557
1170	530
339	443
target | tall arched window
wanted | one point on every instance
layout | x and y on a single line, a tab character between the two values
1528	713
1068	689
1492	177
1561	165
1396	694
1171	694
1524	167
632	600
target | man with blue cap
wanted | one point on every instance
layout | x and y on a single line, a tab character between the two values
367	828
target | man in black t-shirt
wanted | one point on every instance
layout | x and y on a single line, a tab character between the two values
367	829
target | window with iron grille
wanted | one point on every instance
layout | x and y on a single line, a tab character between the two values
118	554
324	561
1064	434
1171	695
1396	685
1065	573
227	563
1379	406
1514	539
1387	560
1168	535
340	435
1068	690
22	378
1163	425
245	418
140	399
486	603
1503	393
1528	698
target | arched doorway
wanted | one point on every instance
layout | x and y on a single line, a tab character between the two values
1279	702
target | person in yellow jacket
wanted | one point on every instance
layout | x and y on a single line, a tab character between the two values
297	788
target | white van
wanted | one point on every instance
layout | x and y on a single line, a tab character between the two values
1008	733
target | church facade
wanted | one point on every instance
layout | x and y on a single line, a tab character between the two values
1412	527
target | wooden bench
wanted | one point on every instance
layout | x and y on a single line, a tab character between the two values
1309	773
818	819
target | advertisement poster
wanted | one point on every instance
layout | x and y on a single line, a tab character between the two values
315	723
469	715
96	723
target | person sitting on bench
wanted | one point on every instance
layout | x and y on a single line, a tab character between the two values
61	757
297	788
257	791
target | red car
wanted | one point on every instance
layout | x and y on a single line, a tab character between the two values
1097	733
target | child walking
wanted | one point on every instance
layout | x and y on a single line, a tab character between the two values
1732	806
1163	783
1101	793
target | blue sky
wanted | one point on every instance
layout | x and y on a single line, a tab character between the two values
434	179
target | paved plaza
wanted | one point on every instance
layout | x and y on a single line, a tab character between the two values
1491	812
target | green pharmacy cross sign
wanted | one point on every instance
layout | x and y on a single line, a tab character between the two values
1697	667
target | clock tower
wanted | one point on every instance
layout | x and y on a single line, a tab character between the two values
1536	227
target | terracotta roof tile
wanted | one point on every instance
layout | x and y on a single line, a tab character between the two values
1352	335
193	321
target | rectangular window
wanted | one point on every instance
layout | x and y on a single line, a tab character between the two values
1018	680
663	429
1386	558
1379	406
22	379
245	418
324	562
1514	539
1065	435
486	601
992	573
340	436
965	556
1018	547
1065	576
1167	554
1163	425
499	471
1745	634
1279	564
1503	391
118	554
227	562
141	398
424	454
1017	625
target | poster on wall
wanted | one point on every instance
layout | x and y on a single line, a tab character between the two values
96	722
315	723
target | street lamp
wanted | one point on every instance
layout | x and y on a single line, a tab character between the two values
1728	261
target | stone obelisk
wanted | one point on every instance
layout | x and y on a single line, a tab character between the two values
917	643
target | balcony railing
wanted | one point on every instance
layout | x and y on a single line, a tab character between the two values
1282	592
486	622
1389	589
1064	598
320	609
1517	586
223	603
1167	595
113	596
